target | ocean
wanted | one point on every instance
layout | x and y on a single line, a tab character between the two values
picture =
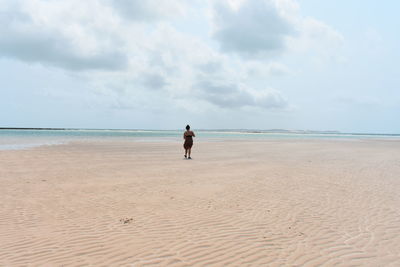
11	139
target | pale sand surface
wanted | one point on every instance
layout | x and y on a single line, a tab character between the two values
239	203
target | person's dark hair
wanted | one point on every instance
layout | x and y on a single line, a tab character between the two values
187	127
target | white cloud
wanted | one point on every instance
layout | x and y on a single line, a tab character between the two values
261	69
62	34
133	55
148	10
233	95
250	28
259	29
316	37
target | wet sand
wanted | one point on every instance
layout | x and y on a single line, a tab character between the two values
239	203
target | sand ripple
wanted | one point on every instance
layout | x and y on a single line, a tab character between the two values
269	203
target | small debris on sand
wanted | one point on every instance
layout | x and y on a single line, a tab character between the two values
126	220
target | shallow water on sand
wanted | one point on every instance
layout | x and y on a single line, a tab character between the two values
11	139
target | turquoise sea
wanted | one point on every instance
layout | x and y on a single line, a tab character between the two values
26	138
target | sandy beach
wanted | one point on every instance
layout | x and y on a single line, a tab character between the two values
237	203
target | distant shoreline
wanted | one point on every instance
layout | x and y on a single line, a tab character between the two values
255	131
23	128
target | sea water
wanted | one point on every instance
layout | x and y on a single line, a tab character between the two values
28	138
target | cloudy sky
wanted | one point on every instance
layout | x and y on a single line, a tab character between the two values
160	64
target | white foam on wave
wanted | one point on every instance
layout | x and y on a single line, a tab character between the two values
22	146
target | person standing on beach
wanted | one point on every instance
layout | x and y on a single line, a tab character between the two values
188	136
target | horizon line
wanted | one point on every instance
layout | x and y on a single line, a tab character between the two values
275	130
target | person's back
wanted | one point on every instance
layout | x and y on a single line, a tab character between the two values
188	136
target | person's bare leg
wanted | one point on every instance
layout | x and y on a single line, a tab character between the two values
186	152
189	150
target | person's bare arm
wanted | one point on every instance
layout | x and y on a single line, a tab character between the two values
193	134
184	137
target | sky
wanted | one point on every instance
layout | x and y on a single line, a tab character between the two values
213	64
